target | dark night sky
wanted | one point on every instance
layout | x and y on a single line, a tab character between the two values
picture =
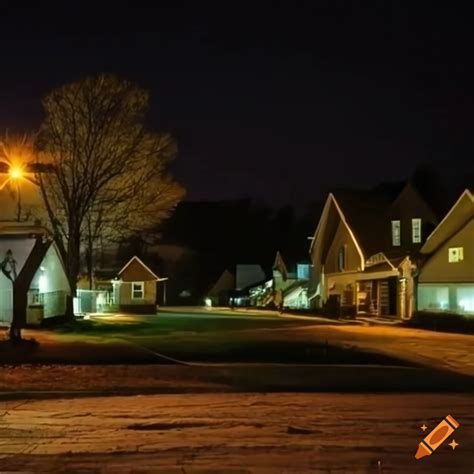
267	100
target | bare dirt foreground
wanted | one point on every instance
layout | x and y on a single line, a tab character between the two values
234	433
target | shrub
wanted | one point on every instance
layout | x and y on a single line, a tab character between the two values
445	322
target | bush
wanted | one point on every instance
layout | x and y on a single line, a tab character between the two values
445	322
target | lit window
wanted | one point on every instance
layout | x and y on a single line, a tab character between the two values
138	290
341	259
465	299
455	254
416	230
396	233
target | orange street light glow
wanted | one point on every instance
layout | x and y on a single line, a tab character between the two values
15	173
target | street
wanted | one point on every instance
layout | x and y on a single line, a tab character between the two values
234	433
229	409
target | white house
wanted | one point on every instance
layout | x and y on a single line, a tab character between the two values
33	266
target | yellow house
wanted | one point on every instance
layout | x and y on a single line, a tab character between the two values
446	280
363	251
135	287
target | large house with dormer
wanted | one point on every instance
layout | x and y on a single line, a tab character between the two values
364	250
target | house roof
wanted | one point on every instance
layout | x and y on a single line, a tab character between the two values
33	262
461	212
295	286
28	251
21	247
135	258
226	282
248	275
279	264
365	213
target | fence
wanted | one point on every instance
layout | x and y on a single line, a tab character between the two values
92	301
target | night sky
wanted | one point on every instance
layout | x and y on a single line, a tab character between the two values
269	100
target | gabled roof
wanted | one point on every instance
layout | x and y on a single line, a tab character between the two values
28	251
135	258
321	234
296	285
33	262
362	212
279	264
21	247
248	275
226	282
461	212
365	213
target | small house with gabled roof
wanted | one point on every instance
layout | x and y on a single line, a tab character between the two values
135	287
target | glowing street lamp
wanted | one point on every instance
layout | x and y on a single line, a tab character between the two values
15	173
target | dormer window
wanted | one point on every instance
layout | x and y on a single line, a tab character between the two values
396	233
416	230
341	258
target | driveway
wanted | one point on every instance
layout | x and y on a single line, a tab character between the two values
453	352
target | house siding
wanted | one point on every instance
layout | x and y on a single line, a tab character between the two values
6	299
55	287
409	205
438	269
136	272
341	238
149	293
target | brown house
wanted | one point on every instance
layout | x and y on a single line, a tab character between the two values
362	251
446	280
135	288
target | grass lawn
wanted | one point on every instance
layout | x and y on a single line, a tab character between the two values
215	338
225	353
172	323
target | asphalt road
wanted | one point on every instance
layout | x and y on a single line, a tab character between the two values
234	433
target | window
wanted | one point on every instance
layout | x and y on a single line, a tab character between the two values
465	299
433	298
416	230
455	254
138	290
341	258
302	271
396	233
36	297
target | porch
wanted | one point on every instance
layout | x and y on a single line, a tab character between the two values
377	297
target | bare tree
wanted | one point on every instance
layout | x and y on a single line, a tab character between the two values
108	173
143	202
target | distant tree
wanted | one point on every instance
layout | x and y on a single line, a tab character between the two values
108	173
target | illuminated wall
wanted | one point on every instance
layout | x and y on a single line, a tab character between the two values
456	298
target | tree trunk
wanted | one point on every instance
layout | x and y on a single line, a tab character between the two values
73	266
90	260
19	313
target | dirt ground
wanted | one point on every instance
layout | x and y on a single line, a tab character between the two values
234	433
